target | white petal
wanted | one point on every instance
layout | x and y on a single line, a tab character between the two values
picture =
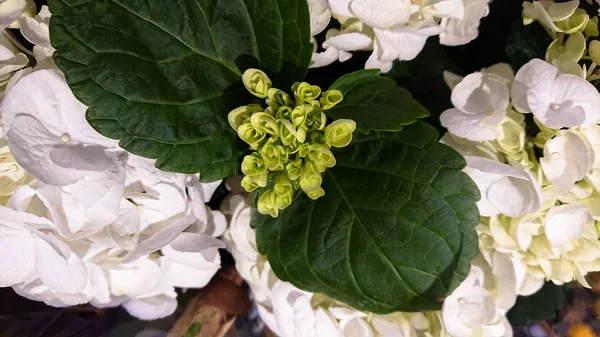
31	144
468	126
382	14
566	222
58	267
188	277
151	308
575	91
349	41
534	73
18	257
37	33
158	240
341	8
568	157
479	93
136	279
10	10
324	58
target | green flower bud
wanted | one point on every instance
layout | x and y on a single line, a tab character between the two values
264	123
319	121
251	136
284	112
311	179
304	150
271	112
293	147
301	134
283	184
284	200
316	194
273	155
251	183
305	92
272	104
253	165
298	115
339	133
287	132
242	115
317	137
257	82
321	156
294	168
330	98
279	97
267	204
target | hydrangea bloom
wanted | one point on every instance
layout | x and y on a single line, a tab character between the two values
97	225
396	30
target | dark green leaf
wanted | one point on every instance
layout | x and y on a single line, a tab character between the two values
394	231
161	76
542	305
375	102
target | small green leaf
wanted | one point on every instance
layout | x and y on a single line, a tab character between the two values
542	305
393	232
162	76
375	102
194	330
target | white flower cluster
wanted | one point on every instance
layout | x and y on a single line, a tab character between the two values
542	213
476	308
392	29
83	221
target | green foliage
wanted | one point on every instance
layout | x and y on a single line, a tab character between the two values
162	76
542	305
393	232
375	102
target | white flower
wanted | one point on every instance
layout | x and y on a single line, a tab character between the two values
48	134
459	31
568	157
11	174
557	100
510	190
10	10
472	308
10	60
465	147
28	254
398	29
548	12
320	14
566	222
37	31
480	102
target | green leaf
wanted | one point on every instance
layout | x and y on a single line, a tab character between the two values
375	102
194	330
542	305
162	76
394	231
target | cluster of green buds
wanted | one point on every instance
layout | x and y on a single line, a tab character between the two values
290	139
